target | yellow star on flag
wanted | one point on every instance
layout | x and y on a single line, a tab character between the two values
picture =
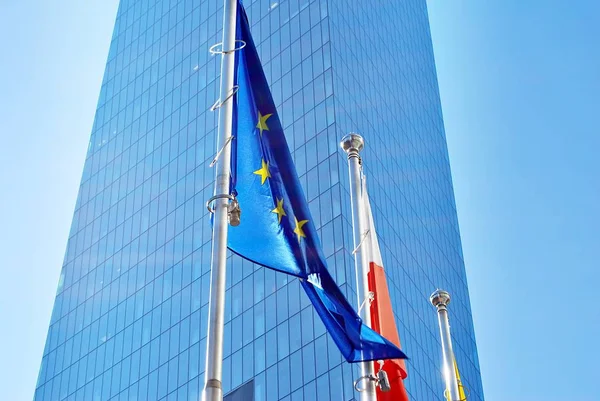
263	172
298	230
262	122
279	210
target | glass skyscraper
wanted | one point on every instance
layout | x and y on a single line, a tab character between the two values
129	320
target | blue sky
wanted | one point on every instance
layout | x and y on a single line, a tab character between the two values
519	83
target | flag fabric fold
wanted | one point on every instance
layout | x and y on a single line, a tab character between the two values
461	388
382	314
276	229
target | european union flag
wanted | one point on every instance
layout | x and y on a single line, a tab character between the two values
276	228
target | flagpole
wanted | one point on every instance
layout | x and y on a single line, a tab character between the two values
352	145
440	299
213	390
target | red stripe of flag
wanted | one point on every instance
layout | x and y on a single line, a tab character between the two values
382	321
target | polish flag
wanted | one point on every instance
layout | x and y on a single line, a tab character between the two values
382	315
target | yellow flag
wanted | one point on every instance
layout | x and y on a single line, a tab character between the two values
461	389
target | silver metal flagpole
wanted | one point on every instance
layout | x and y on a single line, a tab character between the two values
213	390
352	145
440	299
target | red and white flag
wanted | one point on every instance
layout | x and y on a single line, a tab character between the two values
382	315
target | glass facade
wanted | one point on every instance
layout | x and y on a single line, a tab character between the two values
129	320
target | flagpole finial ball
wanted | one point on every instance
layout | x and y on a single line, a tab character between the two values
352	142
440	298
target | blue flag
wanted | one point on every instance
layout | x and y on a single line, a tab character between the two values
276	229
